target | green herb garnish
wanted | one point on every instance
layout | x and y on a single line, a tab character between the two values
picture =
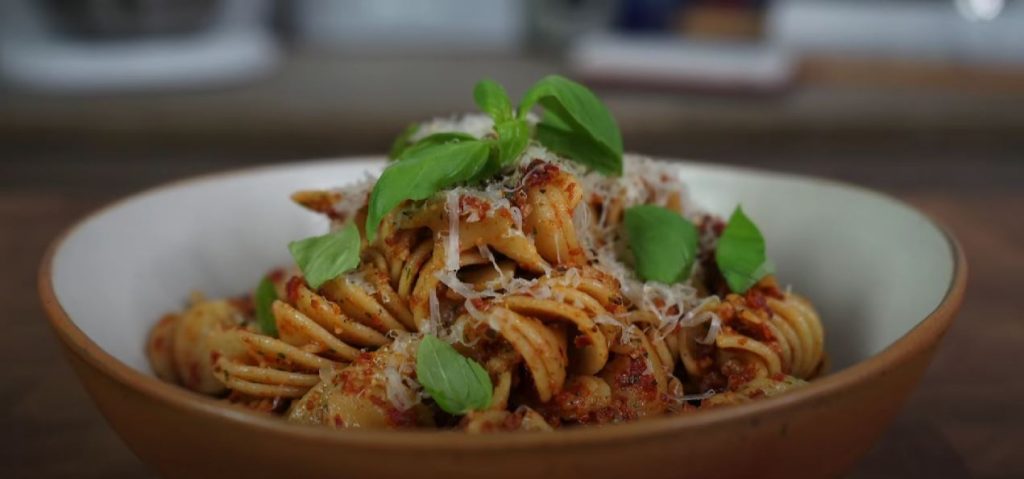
402	142
741	255
435	139
420	173
512	133
664	243
575	124
263	298
493	100
513	136
457	384
323	258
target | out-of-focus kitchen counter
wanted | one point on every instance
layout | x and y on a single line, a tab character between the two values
949	143
327	99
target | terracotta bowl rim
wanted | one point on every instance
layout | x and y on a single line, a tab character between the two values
923	336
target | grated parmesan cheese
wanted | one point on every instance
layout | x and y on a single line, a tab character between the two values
486	253
351	199
434	321
400	388
476	125
713	330
358	279
452	245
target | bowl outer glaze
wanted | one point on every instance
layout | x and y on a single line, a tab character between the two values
817	431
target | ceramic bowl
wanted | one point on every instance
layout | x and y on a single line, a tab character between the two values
885	278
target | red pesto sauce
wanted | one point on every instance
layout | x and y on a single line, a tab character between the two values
292	289
539	173
469	205
358	380
635	389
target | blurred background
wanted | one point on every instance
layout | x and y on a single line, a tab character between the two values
163	87
923	99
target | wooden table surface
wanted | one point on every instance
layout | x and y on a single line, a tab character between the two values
965	420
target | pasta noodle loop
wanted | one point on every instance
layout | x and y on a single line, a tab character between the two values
764	334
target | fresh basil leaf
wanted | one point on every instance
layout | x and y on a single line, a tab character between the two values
421	174
741	254
402	142
574	144
435	139
263	298
492	98
323	258
571	107
664	243
513	136
491	166
457	384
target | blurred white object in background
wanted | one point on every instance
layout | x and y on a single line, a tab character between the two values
375	26
679	63
980	10
936	31
97	45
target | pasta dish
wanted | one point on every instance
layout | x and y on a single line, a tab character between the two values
508	271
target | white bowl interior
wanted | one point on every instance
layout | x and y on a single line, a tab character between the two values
873	266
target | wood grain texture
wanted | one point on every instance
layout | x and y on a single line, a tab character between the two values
964	421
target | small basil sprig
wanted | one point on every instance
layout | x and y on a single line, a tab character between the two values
513	133
663	243
492	99
575	124
445	159
420	173
323	258
740	254
263	299
513	136
457	384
